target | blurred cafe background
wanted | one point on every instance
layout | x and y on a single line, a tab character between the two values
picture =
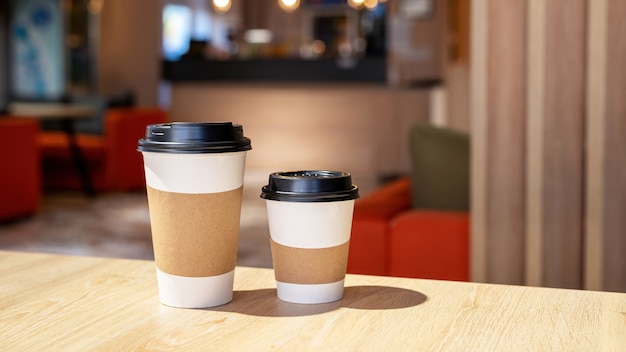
534	89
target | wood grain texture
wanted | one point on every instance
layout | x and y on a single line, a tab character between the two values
478	117
530	81
535	119
615	168
555	140
563	145
596	146
506	135
52	302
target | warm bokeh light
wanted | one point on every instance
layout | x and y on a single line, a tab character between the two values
318	47
357	4
95	6
221	6
257	36
289	5
370	4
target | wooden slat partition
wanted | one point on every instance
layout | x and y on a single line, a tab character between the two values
548	110
498	112
596	114
615	169
555	162
478	113
605	263
535	122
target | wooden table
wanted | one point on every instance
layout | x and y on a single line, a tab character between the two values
61	303
65	114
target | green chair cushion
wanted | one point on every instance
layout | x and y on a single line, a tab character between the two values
440	168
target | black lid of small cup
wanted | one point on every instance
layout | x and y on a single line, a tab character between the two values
194	137
310	186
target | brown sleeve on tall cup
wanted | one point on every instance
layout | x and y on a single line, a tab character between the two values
195	235
309	265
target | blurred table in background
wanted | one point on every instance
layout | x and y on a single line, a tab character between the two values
66	114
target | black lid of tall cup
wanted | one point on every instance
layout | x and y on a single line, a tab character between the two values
194	137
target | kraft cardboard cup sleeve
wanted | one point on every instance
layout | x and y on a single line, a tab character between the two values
194	180
310	219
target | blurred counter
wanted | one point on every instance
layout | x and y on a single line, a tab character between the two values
367	69
357	127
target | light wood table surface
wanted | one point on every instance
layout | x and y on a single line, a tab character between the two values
63	303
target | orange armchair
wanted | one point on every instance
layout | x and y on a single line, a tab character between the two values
112	158
369	242
20	180
418	226
390	238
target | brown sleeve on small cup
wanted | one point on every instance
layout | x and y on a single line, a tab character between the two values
309	265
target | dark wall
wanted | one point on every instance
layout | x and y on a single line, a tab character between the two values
4	50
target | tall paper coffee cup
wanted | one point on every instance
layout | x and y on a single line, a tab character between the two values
194	179
310	219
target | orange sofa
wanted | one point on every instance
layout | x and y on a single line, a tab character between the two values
418	226
390	238
112	159
20	179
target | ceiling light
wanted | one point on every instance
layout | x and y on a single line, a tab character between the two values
221	6
356	4
289	5
370	4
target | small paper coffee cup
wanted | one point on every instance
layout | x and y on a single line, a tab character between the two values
310	219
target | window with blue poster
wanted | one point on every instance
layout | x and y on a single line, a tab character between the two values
37	58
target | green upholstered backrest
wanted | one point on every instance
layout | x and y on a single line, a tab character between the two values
440	169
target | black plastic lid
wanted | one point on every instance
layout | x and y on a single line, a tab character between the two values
194	137
310	186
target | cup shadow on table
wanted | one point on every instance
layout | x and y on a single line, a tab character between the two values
265	302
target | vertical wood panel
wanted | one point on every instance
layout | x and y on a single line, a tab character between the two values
615	153
595	125
605	262
506	113
498	134
571	94
536	116
563	143
478	112
555	143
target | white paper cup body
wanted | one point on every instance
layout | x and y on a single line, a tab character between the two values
201	173
310	225
194	173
